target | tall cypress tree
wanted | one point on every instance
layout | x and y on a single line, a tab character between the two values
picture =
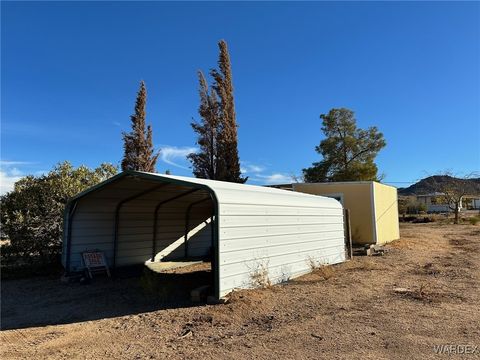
229	162
205	162
139	153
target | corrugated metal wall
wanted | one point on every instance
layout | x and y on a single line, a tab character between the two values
277	238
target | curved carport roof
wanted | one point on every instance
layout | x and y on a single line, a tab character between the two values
253	224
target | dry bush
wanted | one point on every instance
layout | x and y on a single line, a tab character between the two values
312	264
325	272
474	220
321	269
422	293
149	282
259	276
364	264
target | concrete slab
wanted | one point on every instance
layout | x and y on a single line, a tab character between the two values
162	266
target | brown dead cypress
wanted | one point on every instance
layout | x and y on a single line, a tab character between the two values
228	162
205	162
139	152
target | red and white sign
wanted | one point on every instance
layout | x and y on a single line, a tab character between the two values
94	259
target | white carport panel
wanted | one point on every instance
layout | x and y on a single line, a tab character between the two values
280	236
281	231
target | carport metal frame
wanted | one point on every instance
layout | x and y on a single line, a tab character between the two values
117	218
71	207
155	218
187	223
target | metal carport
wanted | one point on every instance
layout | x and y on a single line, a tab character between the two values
136	217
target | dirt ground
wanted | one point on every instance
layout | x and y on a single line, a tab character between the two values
423	293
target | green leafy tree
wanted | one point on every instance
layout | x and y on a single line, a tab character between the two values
217	137
32	214
139	152
348	153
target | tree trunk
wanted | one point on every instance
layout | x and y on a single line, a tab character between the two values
455	221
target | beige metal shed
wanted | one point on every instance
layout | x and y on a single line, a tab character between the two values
373	207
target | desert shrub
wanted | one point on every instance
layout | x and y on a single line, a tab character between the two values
149	281
320	268
312	263
423	220
416	207
474	220
259	276
417	219
32	214
326	271
403	205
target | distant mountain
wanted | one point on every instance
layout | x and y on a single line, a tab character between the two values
424	186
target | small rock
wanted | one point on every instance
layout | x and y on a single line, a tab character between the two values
317	336
212	300
186	333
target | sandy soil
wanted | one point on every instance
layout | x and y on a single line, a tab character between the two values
353	310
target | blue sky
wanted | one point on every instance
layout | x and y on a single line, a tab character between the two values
70	73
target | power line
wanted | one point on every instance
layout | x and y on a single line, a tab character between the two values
400	182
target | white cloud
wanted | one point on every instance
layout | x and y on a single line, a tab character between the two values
249	168
258	174
10	172
176	155
13	163
7	180
15	172
276	178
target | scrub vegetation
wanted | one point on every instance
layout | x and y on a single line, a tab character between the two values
32	217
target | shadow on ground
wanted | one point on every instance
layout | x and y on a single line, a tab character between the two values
45	301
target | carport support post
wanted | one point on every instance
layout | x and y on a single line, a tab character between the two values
213	260
348	233
117	217
157	208
71	213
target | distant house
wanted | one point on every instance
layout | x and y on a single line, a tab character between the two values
436	202
424	192
476	203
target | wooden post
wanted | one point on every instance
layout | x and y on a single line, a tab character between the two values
348	233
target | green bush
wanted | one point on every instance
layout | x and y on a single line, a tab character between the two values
32	214
414	207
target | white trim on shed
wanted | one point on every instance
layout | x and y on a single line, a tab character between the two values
247	228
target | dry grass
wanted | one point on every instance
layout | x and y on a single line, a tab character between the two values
325	272
319	269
